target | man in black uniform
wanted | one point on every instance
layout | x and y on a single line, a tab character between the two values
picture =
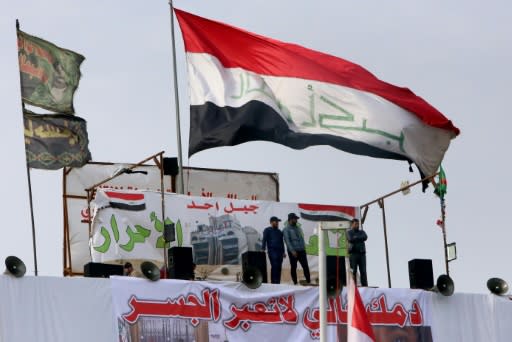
357	251
273	242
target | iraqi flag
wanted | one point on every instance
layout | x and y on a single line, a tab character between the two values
319	212
126	200
246	87
359	327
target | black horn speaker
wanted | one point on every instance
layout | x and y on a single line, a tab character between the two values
497	286
252	277
150	270
15	266
445	285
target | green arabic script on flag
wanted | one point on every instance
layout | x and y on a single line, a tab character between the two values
49	74
53	141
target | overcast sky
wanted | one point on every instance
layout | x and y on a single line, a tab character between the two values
456	55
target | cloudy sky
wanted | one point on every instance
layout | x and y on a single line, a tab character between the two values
456	55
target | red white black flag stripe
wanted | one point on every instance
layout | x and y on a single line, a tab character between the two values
126	200
317	212
246	87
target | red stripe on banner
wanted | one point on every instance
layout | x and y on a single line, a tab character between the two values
239	48
334	208
125	196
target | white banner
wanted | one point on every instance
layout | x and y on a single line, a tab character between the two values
128	226
203	311
198	182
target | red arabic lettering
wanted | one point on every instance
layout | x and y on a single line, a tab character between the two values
205	206
377	311
189	306
280	310
415	315
246	209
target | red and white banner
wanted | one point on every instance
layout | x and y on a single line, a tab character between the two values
218	229
204	311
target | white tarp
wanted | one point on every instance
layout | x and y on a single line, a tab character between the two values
198	182
51	309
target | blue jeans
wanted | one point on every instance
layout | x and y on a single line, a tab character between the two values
276	263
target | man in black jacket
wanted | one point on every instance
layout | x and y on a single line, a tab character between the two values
357	251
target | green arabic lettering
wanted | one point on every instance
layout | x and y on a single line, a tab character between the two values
312	122
104	232
159	227
106	244
179	234
347	116
135	237
245	89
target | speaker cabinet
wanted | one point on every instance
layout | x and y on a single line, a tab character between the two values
421	275
336	269
256	260
171	167
99	270
181	264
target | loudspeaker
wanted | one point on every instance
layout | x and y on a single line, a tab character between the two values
252	277
150	270
421	275
99	270
181	265
445	285
15	266
497	286
171	167
257	260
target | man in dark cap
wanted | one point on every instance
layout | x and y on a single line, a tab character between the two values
273	242
357	251
294	238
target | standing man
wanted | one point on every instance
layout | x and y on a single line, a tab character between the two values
357	251
294	238
273	241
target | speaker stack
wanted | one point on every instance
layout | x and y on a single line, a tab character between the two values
421	275
99	270
252	260
181	264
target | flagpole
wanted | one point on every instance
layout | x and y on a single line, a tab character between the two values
443	219
32	219
322	280
34	245
176	101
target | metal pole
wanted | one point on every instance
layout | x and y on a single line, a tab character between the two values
381	205
177	103
163	211
443	219
322	280
34	249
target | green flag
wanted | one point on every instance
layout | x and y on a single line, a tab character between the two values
49	74
53	141
442	184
